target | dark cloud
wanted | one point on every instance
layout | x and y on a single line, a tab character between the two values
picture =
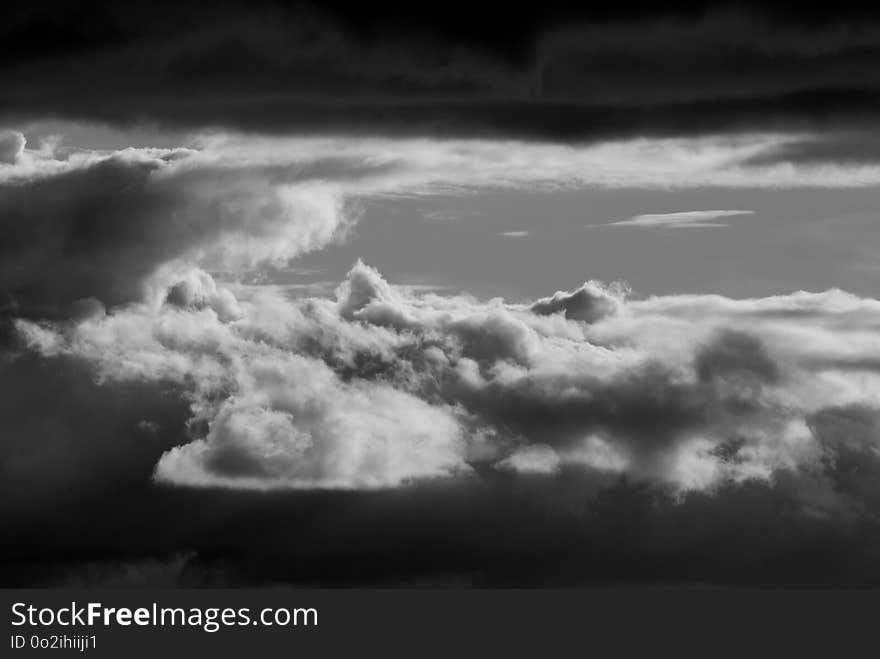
554	72
71	446
852	460
11	145
89	232
589	303
735	353
94	227
564	530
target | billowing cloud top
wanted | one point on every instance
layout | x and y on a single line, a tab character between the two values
382	386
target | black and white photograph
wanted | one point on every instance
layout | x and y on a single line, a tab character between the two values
446	296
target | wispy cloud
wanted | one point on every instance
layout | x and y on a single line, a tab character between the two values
441	216
680	220
514	234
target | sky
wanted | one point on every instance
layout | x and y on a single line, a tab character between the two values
291	294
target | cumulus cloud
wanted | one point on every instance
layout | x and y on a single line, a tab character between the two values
384	385
680	220
98	225
300	426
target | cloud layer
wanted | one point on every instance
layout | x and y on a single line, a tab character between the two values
382	386
557	72
85	224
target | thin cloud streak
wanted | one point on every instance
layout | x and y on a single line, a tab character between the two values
680	220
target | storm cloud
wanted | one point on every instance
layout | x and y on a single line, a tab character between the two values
610	72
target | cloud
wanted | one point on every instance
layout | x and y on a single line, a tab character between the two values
144	573
583	74
386	385
99	225
839	146
589	303
82	224
11	146
514	234
709	405
680	220
294	424
211	429
688	421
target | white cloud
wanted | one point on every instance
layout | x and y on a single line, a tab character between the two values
413	165
384	384
514	234
680	220
293	423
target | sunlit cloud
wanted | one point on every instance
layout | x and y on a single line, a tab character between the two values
680	220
